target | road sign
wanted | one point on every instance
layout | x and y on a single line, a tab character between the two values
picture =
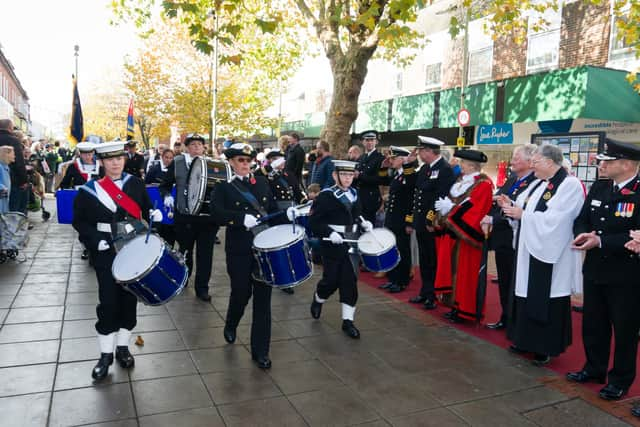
460	141
464	117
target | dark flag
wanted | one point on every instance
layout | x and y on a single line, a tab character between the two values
76	128
130	127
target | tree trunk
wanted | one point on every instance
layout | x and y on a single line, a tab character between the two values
349	72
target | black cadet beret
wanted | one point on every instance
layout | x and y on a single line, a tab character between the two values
473	155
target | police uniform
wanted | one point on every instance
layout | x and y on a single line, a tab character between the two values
101	220
135	162
237	205
336	214
398	211
611	289
433	181
371	176
193	232
78	173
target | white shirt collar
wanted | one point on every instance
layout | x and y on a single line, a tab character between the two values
623	183
432	164
187	158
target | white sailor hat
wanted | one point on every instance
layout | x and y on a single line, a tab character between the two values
429	142
399	151
344	165
240	149
274	153
85	147
110	149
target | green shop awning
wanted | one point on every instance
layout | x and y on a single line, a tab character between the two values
373	115
480	100
413	112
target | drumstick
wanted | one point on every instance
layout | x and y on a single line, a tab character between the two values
373	235
268	217
326	239
146	240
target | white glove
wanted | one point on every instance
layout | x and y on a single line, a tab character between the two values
155	215
335	238
103	245
443	205
168	202
291	213
250	221
366	225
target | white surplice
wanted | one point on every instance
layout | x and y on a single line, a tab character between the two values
547	236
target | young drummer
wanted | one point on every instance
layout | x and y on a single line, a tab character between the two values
106	211
335	214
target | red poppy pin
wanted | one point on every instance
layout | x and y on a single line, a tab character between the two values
626	192
550	186
252	180
523	184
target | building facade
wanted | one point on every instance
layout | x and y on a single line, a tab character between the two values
14	102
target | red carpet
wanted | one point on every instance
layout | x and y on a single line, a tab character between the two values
571	360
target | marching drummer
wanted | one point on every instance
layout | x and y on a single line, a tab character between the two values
106	211
239	204
193	232
84	168
335	215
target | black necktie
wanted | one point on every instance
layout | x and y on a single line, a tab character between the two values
615	188
245	180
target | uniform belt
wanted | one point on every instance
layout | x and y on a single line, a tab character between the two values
105	227
343	228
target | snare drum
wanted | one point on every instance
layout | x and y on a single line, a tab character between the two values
378	250
283	256
64	205
151	270
204	173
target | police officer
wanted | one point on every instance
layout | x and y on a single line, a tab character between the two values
611	291
193	232
135	161
106	211
398	210
335	215
434	180
239	204
370	175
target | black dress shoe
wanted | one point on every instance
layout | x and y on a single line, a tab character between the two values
229	334
450	314
350	329
101	369
584	377
496	326
386	285
418	299
635	411
316	309
396	289
289	291
612	392
85	254
204	297
430	304
541	360
263	362
455	318
577	308
495	280
218	240
124	357
517	350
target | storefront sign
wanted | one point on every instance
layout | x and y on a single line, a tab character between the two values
497	133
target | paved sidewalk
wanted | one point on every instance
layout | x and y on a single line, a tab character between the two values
407	370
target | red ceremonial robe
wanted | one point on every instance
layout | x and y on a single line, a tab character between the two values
459	257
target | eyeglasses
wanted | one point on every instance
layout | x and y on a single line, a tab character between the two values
243	159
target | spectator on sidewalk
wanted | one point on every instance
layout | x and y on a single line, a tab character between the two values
321	172
7	156
19	195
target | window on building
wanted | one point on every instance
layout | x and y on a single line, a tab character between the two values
480	52
397	83
434	52
621	53
433	76
543	41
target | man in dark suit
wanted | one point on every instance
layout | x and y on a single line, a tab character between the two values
611	288
135	161
434	180
501	240
295	158
370	176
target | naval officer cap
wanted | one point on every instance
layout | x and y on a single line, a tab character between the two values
274	154
344	165
110	149
398	151
617	150
240	149
472	155
370	134
194	137
429	142
86	147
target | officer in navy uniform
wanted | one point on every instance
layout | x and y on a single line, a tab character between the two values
193	232
135	160
434	180
398	209
335	215
501	240
239	204
370	176
611	290
101	221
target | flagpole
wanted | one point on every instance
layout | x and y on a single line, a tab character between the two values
76	48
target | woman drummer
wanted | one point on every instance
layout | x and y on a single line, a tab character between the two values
104	212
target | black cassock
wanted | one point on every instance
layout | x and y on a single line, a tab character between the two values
117	307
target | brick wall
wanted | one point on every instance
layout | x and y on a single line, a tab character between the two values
584	34
509	58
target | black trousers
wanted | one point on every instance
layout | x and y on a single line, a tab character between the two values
117	307
202	237
609	306
243	286
338	274
401	273
427	259
504	265
168	233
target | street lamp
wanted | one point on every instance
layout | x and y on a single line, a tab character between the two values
76	49
214	63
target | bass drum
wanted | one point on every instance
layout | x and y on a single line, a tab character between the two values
203	175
